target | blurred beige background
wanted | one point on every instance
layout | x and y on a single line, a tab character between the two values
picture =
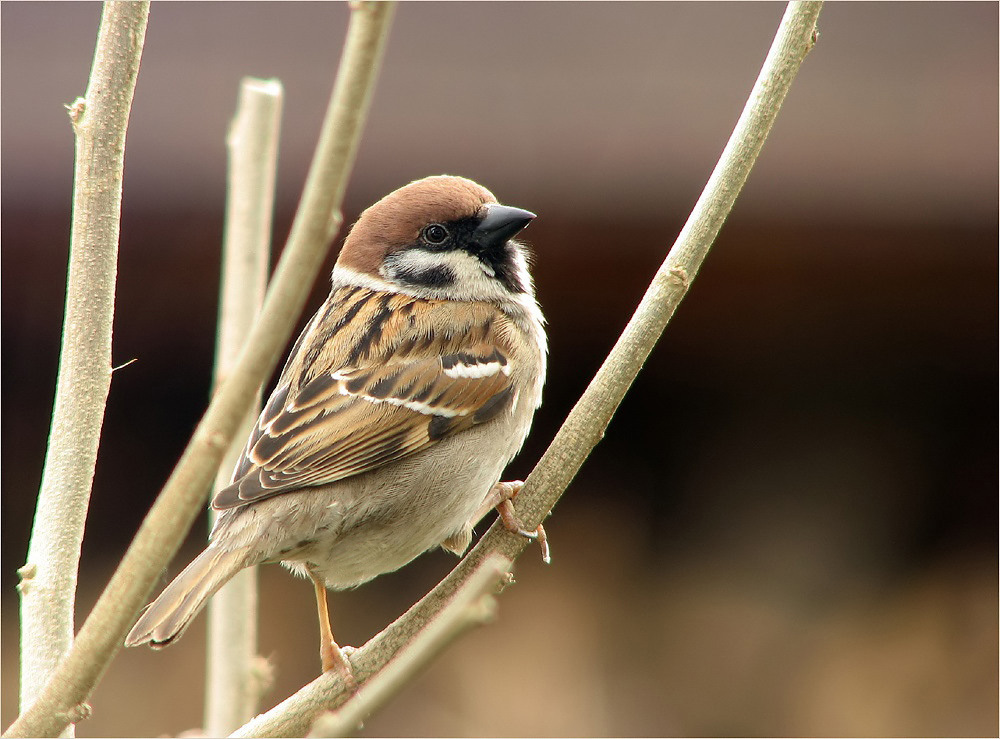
790	527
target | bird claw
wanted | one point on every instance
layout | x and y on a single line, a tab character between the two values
508	490
336	658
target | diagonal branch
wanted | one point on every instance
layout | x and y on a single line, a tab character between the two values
160	535
473	605
100	120
586	423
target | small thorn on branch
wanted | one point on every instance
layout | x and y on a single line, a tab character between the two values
77	109
79	712
27	573
124	365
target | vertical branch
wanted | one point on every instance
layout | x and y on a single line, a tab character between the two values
100	120
233	681
316	223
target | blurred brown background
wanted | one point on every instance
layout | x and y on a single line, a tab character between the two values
791	526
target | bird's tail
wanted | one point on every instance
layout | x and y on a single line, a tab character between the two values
169	615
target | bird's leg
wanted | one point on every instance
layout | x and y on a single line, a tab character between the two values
330	654
501	497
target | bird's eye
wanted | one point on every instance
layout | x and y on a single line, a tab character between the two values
435	234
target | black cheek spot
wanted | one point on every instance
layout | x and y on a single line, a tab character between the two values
437	276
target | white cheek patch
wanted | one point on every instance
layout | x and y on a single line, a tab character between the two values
468	278
347	276
405	266
462	264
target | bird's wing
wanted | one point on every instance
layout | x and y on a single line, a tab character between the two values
346	422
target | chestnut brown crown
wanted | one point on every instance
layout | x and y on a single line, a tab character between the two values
395	221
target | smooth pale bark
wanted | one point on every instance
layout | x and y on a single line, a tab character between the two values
234	672
49	577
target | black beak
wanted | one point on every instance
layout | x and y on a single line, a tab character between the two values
500	223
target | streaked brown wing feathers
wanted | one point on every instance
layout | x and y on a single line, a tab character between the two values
346	422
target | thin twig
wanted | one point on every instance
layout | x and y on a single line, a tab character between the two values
100	120
232	686
585	425
161	533
474	604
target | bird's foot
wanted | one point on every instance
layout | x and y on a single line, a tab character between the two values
504	493
336	658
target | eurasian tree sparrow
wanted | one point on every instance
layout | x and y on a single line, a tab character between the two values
400	405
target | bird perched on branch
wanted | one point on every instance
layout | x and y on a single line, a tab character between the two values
400	405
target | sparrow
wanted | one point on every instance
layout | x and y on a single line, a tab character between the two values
401	403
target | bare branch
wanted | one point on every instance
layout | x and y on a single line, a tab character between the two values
585	425
100	120
232	679
159	537
472	605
